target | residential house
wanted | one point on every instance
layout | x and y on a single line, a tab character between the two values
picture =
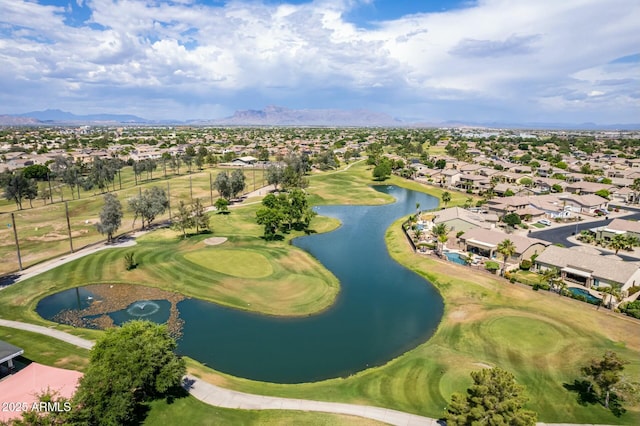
473	182
584	187
589	270
485	242
618	227
458	219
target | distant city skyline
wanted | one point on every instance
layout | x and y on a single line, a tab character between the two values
572	61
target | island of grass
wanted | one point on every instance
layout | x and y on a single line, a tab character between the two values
541	338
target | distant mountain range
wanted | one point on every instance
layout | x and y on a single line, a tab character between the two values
59	116
280	116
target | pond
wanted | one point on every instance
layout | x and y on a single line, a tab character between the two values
382	311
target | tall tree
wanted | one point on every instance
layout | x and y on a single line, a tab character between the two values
110	216
200	218
494	399
101	173
237	182
271	219
605	374
507	249
128	366
274	175
17	187
183	219
222	184
148	205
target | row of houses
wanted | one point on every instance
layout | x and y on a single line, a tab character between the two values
478	235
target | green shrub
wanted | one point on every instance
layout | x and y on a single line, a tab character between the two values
492	266
631	308
544	286
634	290
129	261
525	265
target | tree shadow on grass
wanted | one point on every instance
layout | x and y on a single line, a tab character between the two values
589	397
276	237
585	395
615	405
176	392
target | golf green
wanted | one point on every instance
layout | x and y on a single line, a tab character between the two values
237	263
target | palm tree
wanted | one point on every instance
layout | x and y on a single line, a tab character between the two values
467	202
507	249
446	197
631	242
552	276
613	292
618	242
440	230
443	240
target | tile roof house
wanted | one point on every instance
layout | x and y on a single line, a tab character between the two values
590	270
485	242
459	219
618	227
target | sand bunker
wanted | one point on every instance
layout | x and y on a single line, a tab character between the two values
214	241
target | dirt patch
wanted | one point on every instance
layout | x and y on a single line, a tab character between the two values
116	297
54	236
214	241
458	315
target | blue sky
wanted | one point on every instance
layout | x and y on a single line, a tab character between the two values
572	61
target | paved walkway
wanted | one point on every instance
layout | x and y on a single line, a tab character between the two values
221	397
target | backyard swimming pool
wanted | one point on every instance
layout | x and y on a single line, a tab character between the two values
582	292
456	257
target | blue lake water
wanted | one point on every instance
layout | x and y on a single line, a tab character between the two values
382	311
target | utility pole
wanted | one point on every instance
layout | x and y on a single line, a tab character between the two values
15	236
50	191
66	210
169	199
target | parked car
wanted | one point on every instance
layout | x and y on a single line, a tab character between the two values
545	222
600	212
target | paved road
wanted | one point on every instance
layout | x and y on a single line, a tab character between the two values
560	234
221	397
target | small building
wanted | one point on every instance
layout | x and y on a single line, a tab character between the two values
244	161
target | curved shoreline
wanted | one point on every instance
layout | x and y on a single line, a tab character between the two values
220	397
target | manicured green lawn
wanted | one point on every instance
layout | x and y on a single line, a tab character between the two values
237	263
